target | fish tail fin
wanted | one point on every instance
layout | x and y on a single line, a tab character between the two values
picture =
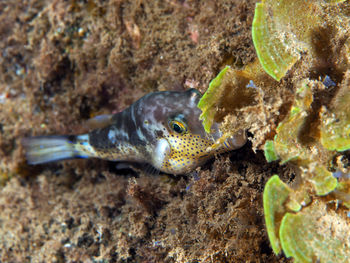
44	149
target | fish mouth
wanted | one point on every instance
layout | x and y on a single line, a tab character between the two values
161	152
231	142
237	140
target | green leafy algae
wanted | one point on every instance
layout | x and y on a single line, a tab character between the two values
335	123
274	54
307	232
316	233
282	29
308	222
275	194
334	1
270	151
279	200
230	92
208	101
287	144
292	227
323	180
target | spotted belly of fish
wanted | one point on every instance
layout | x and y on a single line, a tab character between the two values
162	129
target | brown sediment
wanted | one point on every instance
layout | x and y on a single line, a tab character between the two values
63	62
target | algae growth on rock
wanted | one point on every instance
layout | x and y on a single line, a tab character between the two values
66	61
316	180
305	231
313	133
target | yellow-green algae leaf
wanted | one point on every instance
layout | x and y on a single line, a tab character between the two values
274	55
209	99
275	195
282	29
270	151
335	123
323	180
286	142
316	234
334	1
288	146
232	98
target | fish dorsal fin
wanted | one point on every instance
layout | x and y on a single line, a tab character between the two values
99	122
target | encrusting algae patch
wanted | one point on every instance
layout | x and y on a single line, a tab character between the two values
315	130
65	62
314	134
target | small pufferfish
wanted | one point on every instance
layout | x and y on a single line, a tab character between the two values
162	129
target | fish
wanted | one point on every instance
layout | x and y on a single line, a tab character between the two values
162	129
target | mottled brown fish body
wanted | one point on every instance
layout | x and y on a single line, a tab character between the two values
162	129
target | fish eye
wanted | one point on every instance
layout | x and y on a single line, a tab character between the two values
195	92
178	126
